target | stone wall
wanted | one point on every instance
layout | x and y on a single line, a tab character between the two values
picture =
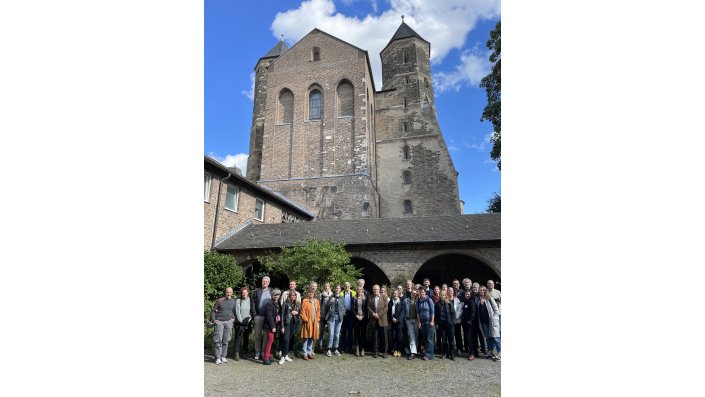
336	145
406	117
229	219
349	197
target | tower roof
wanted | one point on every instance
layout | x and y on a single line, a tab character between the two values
404	32
277	50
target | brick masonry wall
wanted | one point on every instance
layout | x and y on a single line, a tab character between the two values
434	187
227	219
332	198
331	146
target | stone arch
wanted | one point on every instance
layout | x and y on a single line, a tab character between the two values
285	106
444	267
372	273
315	54
345	98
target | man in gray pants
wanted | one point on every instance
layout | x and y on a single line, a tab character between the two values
257	307
223	315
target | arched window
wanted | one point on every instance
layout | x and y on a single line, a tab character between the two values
315	54
408	208
407	177
404	126
315	105
405	152
285	111
406	57
346	99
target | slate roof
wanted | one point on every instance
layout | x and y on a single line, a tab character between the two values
277	50
447	228
265	191
404	32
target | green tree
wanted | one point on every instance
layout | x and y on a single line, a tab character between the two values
494	204
314	260
492	83
219	272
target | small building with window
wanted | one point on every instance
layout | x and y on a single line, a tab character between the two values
232	202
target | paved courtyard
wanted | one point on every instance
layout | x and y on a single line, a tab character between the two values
348	375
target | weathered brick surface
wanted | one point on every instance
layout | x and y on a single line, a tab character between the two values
295	155
358	140
406	117
227	219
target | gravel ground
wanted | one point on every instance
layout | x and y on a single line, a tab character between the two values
348	375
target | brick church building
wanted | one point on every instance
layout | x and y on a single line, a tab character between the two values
370	167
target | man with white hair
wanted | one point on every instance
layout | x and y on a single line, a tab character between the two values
257	311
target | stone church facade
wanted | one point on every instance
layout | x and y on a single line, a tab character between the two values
323	135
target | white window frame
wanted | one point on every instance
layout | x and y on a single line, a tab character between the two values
237	197
262	214
207	187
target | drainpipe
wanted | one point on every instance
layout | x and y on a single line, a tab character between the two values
217	209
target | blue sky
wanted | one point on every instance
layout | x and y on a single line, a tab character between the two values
237	34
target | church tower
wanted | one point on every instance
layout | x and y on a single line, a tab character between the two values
254	161
415	173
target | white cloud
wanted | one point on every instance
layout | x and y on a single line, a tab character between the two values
472	69
444	23
482	146
250	94
239	160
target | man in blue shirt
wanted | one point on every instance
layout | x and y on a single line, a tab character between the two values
424	312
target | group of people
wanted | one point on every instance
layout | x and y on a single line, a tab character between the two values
421	321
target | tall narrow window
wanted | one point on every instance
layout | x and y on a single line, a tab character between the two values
408	208
404	126
406	79
404	102
405	152
315	105
259	210
345	99
206	187
285	107
406	57
315	54
407	177
425	82
231	198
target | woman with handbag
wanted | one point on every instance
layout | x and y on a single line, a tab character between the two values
489	323
243	322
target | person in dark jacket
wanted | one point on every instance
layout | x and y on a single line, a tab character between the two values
269	326
258	302
335	313
359	310
289	326
445	317
395	312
